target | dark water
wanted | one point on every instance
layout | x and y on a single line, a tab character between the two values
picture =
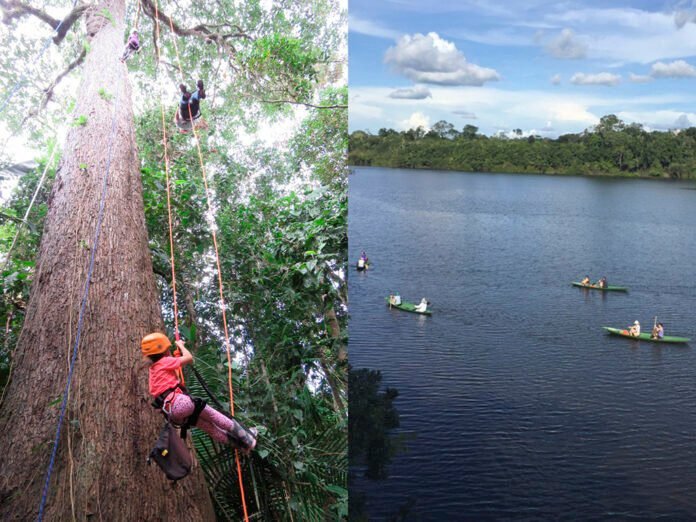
518	404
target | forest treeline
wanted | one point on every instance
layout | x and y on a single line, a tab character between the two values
612	148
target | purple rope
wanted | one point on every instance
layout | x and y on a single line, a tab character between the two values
44	495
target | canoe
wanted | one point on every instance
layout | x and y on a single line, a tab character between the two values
646	336
609	288
407	307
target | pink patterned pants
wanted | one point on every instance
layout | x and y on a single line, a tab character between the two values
211	421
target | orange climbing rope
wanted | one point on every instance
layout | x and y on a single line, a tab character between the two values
137	14
177	352
228	348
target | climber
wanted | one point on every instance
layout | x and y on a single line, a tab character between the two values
178	405
132	46
189	107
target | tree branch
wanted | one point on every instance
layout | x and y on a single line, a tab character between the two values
48	91
338	106
201	31
14	9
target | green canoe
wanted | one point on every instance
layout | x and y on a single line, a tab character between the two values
646	336
407	307
607	289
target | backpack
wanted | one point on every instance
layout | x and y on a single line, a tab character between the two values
171	454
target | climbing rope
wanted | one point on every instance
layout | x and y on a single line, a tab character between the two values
31	204
83	305
228	348
177	352
36	60
137	14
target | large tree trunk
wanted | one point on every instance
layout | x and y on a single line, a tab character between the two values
110	427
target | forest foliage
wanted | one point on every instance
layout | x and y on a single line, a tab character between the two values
612	148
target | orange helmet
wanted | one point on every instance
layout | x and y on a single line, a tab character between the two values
155	343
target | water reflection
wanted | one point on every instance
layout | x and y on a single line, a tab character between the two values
371	441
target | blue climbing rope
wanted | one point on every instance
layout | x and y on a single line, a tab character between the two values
24	76
100	215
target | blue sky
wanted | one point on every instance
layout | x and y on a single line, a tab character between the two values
547	68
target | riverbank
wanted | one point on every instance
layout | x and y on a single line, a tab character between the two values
593	174
612	148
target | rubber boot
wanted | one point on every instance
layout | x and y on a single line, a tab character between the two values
244	441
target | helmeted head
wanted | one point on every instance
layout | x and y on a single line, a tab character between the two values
636	322
134	31
154	343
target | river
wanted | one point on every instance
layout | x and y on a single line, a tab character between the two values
513	402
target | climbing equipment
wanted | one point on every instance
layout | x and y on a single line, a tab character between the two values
171	454
83	305
31	204
228	348
154	343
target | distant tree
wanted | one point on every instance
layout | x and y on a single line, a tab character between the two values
610	147
469	132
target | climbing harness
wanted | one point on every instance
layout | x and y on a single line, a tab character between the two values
164	400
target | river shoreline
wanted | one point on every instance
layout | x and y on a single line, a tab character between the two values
665	177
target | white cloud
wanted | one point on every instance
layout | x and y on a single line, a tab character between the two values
567	46
603	78
627	34
681	18
660	119
676	69
640	78
371	28
414	93
465	114
430	59
569	111
683	122
556	79
417	119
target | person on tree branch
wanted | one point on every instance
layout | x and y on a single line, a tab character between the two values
178	405
189	107
133	46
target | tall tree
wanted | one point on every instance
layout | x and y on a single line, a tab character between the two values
100	468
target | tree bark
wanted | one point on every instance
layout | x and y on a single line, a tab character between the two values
109	420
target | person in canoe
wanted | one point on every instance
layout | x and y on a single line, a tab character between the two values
394	300
362	262
602	283
423	306
658	331
634	331
585	280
